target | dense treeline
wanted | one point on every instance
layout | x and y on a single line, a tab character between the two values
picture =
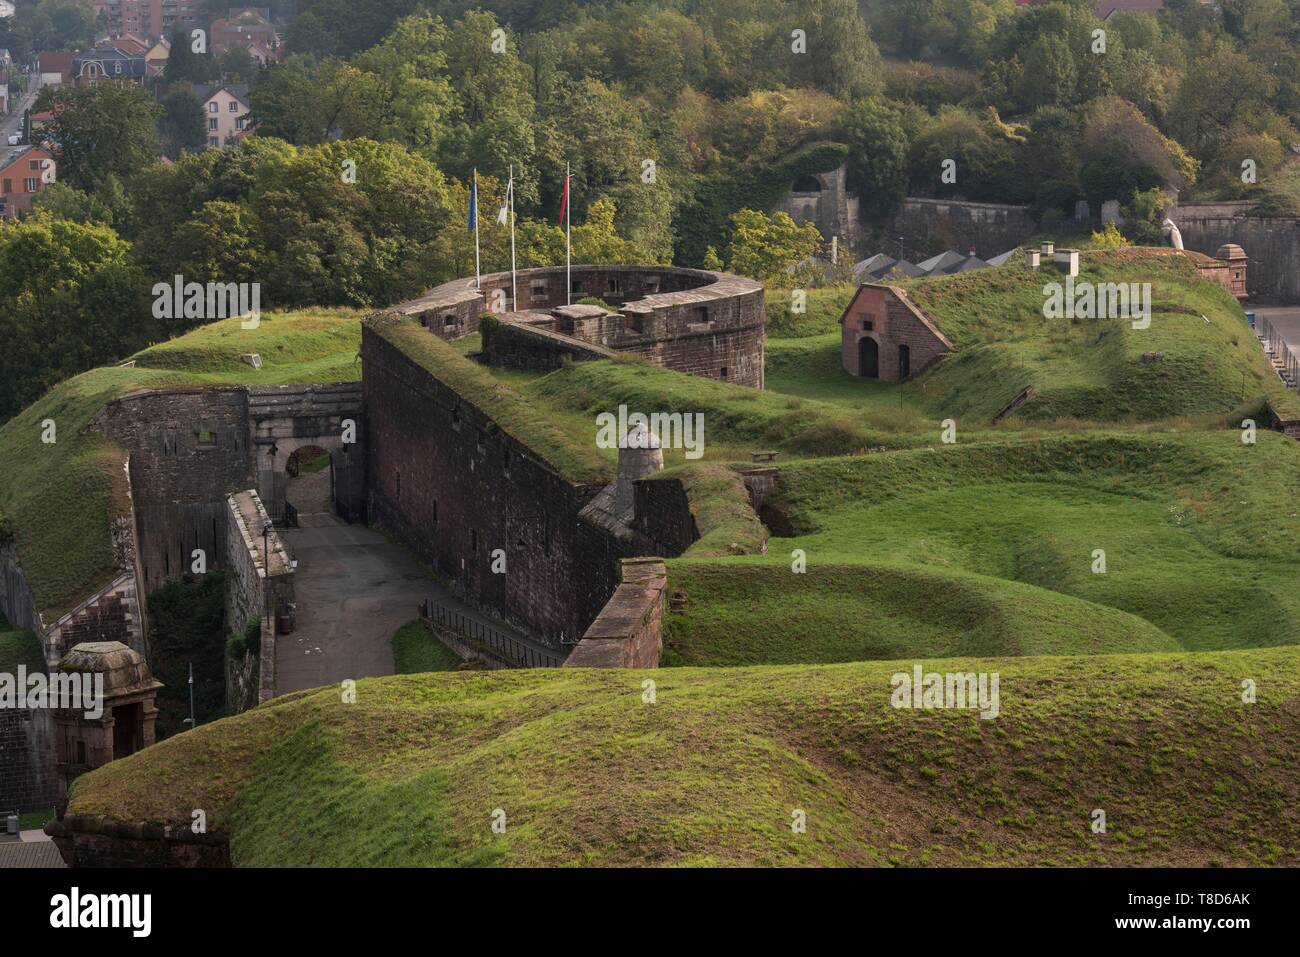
674	117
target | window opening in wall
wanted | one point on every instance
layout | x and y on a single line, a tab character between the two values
398	479
455	418
614	286
701	313
577	286
723	373
505	459
652	285
473	540
206	438
868	325
435	511
546	534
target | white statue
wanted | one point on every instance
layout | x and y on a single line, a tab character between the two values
1170	230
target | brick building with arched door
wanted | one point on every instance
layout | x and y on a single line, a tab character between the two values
885	337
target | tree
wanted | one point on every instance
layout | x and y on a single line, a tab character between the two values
186	66
767	247
102	129
878	147
181	125
62	201
70	299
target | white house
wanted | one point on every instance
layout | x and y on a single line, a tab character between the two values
225	112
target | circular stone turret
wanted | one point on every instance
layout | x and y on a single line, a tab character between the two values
639	455
125	671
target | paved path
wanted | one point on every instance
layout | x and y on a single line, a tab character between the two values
353	588
1285	319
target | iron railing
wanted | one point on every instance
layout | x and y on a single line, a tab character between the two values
511	649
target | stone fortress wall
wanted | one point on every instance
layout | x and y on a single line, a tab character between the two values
689	320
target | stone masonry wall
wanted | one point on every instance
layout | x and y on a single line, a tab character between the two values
256	585
453	486
522	346
934	225
1273	245
628	632
29	774
16	602
688	320
188	448
90	841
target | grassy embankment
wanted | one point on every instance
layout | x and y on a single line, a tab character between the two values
711	774
416	649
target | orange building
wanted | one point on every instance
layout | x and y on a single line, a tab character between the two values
24	172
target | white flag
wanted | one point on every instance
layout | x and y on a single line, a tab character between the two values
505	203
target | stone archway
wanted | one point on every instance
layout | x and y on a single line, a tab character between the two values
273	467
309	480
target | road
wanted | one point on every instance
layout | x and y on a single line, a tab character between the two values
13	123
353	588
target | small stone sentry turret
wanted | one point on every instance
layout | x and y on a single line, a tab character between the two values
639	455
125	722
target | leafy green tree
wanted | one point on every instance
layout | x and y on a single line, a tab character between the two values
186	66
768	247
878	148
181	125
62	201
70	299
102	129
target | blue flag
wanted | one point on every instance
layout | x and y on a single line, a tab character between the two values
473	204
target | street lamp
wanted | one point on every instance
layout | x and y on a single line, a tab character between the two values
190	719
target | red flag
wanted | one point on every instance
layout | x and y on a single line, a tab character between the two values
564	199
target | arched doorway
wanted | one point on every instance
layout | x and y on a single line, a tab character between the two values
868	358
904	361
309	485
806	184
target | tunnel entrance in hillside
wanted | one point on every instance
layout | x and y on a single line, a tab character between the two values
309	485
868	358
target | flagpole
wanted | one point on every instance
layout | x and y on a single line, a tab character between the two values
568	238
514	286
474	201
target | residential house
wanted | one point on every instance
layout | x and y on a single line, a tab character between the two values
24	172
225	112
106	63
247	29
55	66
155	57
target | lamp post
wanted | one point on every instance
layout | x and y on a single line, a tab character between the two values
190	719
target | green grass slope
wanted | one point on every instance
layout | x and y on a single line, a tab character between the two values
759	611
1200	532
19	647
61	497
1092	368
711	773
